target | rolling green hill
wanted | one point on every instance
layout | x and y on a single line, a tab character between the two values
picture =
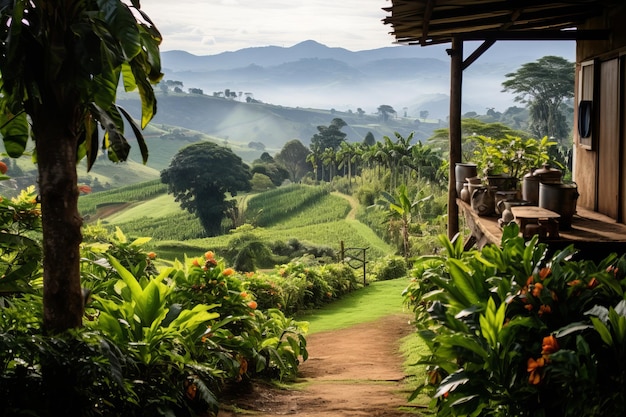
306	213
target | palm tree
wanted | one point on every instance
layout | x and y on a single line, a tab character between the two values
398	209
313	158
329	157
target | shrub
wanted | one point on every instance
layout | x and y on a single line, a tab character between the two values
390	267
368	194
514	330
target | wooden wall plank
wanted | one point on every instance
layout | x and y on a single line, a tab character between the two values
609	139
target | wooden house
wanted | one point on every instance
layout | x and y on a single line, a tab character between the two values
599	29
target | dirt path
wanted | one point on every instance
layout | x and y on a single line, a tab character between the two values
350	372
354	204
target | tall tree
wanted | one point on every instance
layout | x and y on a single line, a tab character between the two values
293	157
61	63
329	136
544	85
266	165
200	175
385	111
326	142
369	139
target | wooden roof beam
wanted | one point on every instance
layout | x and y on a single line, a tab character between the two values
572	16
500	7
428	12
477	53
538	35
527	35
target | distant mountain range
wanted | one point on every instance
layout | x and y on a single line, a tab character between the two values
409	78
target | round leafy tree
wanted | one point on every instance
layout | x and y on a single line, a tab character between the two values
200	175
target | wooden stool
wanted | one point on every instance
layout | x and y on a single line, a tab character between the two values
534	220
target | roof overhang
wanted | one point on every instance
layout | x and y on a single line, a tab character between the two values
427	22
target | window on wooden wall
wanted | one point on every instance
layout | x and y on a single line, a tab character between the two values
587	101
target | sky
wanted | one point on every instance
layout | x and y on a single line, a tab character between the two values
208	27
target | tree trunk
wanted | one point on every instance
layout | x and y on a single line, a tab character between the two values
56	162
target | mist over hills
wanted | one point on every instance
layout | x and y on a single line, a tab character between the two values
294	90
310	74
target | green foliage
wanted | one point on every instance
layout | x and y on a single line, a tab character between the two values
247	252
261	182
302	284
20	250
545	85
293	157
266	165
328	137
199	177
514	330
511	155
157	340
389	267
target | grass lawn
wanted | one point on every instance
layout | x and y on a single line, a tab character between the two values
372	302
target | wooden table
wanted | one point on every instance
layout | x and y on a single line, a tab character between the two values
534	220
594	234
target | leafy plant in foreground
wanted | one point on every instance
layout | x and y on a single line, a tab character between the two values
515	331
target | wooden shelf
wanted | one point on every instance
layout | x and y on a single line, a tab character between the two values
593	233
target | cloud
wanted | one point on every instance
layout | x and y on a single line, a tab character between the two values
209	27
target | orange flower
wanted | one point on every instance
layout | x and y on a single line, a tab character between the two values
228	271
544	272
537	290
544	309
209	255
3	167
534	368
252	304
528	307
574	283
530	280
85	189
244	294
593	283
152	255
249	274
191	391
549	345
195	262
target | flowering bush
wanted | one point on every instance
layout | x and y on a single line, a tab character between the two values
516	331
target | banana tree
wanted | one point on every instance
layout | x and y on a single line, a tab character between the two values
400	210
60	65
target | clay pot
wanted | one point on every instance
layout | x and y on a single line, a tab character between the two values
560	198
461	172
483	201
504	196
531	181
465	194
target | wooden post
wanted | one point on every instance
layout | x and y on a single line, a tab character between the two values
364	267
456	83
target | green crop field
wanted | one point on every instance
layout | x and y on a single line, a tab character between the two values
307	213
